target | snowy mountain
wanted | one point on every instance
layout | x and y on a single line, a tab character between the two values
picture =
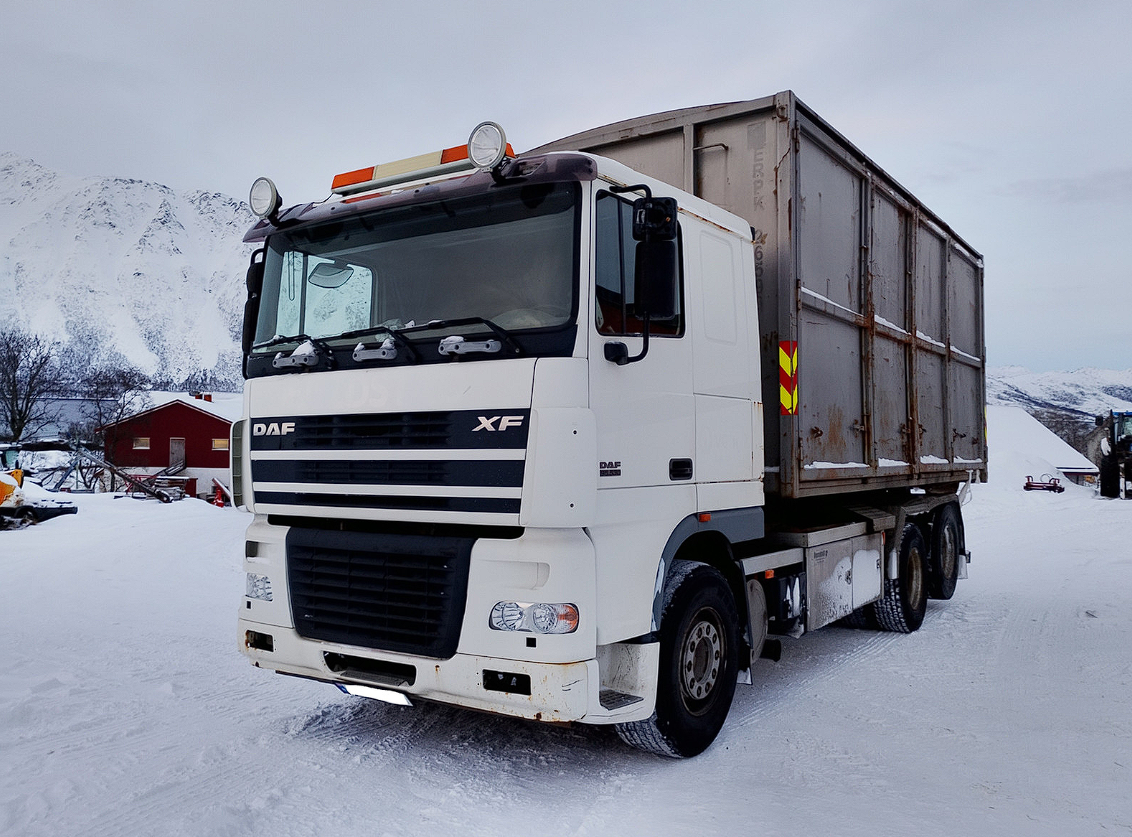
135	269
1084	392
124	267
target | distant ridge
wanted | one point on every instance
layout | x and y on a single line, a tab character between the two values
125	270
1084	392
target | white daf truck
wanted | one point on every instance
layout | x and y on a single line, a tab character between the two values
575	435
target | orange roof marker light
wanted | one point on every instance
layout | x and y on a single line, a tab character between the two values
486	148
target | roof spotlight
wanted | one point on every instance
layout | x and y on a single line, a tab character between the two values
487	146
264	198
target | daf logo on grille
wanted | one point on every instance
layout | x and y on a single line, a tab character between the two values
504	423
274	429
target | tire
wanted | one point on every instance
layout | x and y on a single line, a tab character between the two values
1110	477
946	551
905	599
699	662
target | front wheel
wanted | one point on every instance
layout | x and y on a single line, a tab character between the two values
699	662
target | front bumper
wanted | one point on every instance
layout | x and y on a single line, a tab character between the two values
559	692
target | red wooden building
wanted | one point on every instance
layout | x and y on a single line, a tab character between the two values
186	430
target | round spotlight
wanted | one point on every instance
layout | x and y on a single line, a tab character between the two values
487	146
264	198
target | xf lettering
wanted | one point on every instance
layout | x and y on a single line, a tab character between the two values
505	422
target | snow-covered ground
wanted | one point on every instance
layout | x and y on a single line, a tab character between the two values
125	708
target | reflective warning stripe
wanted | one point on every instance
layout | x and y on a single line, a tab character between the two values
788	377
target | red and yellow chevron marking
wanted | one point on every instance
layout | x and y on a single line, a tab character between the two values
788	376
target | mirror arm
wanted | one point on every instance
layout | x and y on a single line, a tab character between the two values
617	352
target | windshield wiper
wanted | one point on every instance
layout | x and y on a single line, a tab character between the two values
278	340
297	357
504	336
394	333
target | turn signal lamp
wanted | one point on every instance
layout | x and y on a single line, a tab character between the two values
486	148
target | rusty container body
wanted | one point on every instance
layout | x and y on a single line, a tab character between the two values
870	306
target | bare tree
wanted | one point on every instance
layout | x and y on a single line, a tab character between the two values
29	374
113	393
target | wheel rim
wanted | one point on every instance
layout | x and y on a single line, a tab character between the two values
701	660
948	552
915	578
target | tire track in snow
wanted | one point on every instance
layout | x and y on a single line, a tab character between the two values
810	662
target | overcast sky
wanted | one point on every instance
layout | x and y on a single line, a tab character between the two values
1012	120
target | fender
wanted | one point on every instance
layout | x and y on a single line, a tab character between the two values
733	526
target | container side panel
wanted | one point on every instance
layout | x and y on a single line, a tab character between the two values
829	227
932	443
888	253
966	412
657	155
890	408
963	305
733	163
829	386
929	284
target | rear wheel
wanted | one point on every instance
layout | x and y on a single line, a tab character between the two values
945	551
905	599
699	661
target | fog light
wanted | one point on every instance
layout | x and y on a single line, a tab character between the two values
540	617
258	587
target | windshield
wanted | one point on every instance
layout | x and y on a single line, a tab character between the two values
508	256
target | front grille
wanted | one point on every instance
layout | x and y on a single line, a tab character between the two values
377	463
389	592
470	472
393	431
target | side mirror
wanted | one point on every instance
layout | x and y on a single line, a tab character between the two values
655	219
254	282
657	275
656	280
1100	420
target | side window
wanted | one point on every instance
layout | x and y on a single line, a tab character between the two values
615	252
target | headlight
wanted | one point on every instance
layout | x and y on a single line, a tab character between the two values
487	146
264	198
539	617
259	587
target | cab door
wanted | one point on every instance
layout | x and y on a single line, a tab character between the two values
645	410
